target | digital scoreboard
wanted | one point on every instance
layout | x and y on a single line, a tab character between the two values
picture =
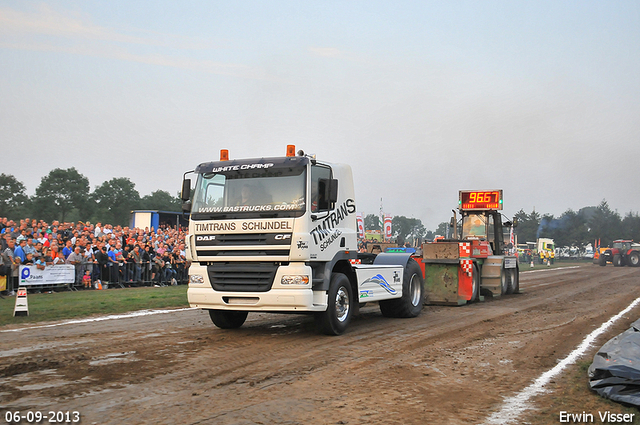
480	200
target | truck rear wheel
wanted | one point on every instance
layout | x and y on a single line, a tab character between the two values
225	319
410	304
514	281
335	319
634	259
617	260
504	281
602	261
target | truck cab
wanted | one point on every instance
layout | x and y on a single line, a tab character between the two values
279	234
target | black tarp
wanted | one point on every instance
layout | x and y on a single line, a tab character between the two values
615	371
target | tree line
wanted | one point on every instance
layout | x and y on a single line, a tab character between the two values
579	228
65	195
571	228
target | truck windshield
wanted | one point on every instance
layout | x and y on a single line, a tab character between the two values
273	192
474	226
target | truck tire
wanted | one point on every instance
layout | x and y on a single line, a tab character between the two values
410	304
504	281
335	319
617	260
476	284
514	287
634	259
225	319
602	261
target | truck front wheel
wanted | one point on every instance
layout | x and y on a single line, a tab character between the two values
410	304
225	319
617	260
336	318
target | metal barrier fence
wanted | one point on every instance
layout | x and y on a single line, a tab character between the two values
125	274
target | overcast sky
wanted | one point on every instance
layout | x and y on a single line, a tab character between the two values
421	98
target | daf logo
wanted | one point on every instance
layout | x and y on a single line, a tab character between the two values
205	237
282	237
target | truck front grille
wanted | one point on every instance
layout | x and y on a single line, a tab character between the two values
244	253
242	239
242	277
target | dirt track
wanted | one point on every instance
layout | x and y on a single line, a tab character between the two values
451	365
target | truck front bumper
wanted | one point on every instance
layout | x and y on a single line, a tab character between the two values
280	298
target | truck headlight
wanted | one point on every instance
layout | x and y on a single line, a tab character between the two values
196	278
295	280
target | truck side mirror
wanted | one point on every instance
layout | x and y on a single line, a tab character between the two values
185	194
333	191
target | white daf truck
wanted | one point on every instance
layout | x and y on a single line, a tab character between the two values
279	235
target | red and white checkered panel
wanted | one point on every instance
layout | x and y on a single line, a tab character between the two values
355	261
467	267
465	249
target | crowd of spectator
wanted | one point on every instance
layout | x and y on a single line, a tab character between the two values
99	253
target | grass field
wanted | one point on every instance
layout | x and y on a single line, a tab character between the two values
70	305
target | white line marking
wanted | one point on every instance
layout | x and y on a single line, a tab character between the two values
550	270
516	405
102	318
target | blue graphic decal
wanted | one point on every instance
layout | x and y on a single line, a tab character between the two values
26	273
382	282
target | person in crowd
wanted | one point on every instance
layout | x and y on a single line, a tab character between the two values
40	263
30	247
102	262
136	256
97	231
3	241
11	263
113	264
45	259
180	260
56	255
169	269
146	261
68	249
128	263
76	258
157	269
19	250
86	279
38	246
